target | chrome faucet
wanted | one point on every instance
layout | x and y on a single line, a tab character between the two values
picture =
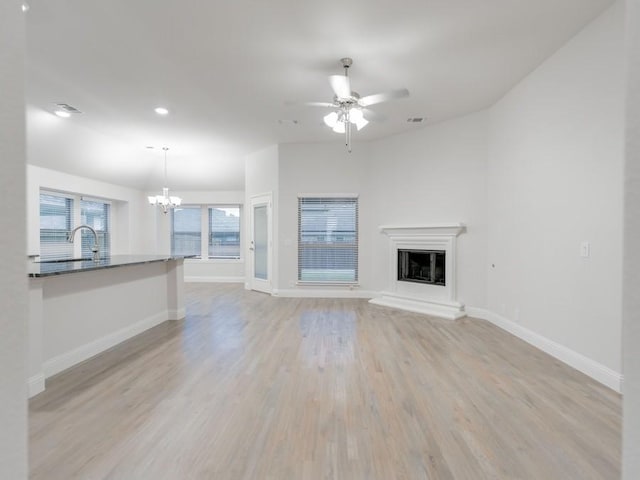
95	249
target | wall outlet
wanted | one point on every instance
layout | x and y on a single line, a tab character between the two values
585	249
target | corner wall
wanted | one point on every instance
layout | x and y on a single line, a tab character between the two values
631	302
207	270
533	177
262	176
316	169
13	281
554	182
434	175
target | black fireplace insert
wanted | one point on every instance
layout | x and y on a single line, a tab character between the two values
422	266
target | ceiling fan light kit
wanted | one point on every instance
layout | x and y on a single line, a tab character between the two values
349	107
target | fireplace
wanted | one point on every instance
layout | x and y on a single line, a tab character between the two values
422	269
422	266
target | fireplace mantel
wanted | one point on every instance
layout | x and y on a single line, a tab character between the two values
454	229
438	300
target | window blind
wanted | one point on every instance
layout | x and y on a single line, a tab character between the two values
96	214
328	239
56	220
224	232
186	229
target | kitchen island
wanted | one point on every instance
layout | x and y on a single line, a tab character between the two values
80	308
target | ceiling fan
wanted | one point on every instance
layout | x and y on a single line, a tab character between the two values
349	108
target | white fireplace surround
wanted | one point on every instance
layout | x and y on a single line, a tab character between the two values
437	300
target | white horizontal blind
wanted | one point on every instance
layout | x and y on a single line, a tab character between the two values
96	214
186	231
328	239
56	221
224	232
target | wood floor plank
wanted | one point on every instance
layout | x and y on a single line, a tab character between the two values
250	386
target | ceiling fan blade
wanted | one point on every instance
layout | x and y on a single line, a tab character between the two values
341	85
295	103
373	116
319	104
383	97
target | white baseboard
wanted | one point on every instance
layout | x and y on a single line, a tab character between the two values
35	384
595	370
210	279
66	360
178	314
309	292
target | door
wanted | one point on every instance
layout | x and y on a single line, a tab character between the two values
260	243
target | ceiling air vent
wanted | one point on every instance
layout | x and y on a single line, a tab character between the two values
67	108
415	120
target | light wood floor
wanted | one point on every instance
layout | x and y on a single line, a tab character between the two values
254	387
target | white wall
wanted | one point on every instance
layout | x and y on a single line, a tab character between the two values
554	181
209	270
434	175
533	177
13	281
631	304
261	176
132	217
322	168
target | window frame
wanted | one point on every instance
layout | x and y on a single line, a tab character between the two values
208	214
356	244
69	221
172	230
204	257
104	237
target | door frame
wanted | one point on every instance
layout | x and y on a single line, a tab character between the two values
258	284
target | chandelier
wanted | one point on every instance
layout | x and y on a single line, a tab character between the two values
165	201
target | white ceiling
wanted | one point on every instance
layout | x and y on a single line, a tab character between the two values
226	68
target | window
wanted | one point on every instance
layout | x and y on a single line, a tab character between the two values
56	220
95	214
186	228
328	239
224	232
221	227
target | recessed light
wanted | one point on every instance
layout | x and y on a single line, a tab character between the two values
150	147
25	6
161	111
287	121
415	119
62	113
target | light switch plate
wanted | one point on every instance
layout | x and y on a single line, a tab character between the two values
585	249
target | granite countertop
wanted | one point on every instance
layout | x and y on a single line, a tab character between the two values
49	268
